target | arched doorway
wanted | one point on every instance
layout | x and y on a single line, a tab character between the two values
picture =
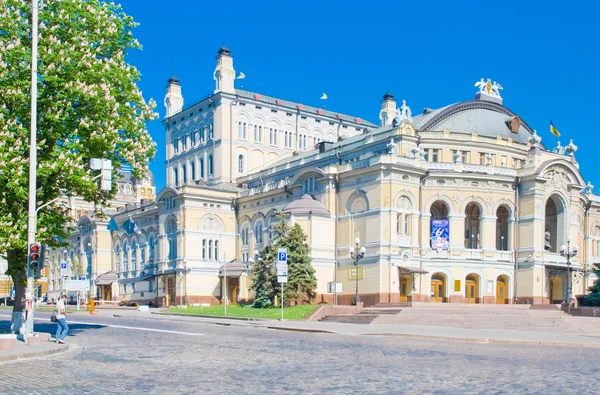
554	226
502	239
439	228
438	287
472	289
556	290
472	236
502	290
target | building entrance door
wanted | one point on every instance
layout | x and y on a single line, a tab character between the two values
500	292
171	291
404	289
437	291
470	287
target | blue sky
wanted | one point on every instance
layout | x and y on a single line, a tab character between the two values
544	53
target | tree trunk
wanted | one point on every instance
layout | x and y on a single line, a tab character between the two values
17	267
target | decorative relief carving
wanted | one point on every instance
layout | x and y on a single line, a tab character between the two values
557	179
457	198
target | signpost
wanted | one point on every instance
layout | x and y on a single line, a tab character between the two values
282	272
64	271
77	285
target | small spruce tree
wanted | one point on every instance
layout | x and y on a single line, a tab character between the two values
593	299
302	280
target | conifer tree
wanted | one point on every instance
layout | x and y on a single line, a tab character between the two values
593	299
302	280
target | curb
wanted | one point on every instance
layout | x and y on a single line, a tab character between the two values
482	340
283	328
33	354
213	317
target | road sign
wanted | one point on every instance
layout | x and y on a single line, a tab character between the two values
282	270
282	256
333	287
64	272
77	285
282	279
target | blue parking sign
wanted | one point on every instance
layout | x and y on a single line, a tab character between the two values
282	255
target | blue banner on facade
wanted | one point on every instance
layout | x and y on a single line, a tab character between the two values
440	234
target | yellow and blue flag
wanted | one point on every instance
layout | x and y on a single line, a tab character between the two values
553	130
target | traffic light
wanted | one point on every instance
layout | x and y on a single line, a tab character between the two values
35	259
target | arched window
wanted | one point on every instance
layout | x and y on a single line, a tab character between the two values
257	133
403	220
202	168
258	232
184	139
151	249
176	176
273	136
184	174
125	257
171	230
502	240
555	224
193	171
210	165
472	229
595	241
240	130
203	134
439	228
216	250
210	249
193	138
133	255
175	145
118	259
244	236
241	164
204	249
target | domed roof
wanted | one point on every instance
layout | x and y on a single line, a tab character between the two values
484	117
306	205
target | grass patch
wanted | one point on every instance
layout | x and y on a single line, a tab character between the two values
289	313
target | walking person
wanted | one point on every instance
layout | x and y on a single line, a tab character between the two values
62	328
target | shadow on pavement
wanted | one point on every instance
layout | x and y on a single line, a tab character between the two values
47	327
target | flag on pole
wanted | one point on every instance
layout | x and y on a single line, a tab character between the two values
553	130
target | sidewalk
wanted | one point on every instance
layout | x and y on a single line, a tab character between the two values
415	331
21	350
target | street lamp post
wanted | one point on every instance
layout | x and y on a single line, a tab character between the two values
357	253
569	252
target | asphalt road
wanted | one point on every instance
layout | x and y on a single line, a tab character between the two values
135	355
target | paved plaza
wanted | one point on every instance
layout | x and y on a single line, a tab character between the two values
149	355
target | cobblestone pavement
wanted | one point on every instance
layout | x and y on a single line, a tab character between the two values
256	360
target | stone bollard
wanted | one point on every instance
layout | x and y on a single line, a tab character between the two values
44	337
7	344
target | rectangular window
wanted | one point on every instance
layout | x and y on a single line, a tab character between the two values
456	285
482	159
426	156
465	157
435	156
503	161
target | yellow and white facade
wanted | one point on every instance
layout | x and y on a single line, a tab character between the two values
458	204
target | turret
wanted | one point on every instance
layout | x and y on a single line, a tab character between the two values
388	109
173	98
224	74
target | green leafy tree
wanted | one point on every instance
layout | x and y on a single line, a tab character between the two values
302	280
89	106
